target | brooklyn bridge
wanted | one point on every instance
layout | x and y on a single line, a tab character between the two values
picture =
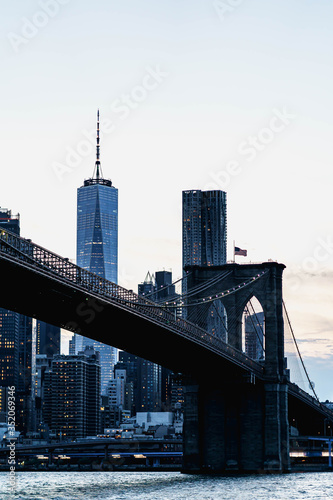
238	411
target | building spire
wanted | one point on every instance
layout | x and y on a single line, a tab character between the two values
97	177
98	163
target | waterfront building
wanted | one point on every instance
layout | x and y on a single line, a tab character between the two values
9	352
9	321
97	246
42	391
24	403
16	354
72	395
17	349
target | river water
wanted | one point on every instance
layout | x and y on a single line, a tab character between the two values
165	485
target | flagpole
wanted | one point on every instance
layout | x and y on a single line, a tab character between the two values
234	251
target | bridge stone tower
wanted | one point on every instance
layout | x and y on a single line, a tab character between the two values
235	421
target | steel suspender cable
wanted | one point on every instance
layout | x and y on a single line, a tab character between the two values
298	351
165	287
258	324
254	326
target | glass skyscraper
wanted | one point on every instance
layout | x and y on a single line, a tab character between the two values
204	228
97	246
97	228
205	244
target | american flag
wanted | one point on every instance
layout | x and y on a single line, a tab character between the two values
239	251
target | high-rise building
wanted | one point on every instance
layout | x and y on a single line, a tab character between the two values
41	402
72	395
120	392
24	407
158	287
9	221
154	379
47	339
97	246
71	345
204	228
254	335
97	223
16	354
145	377
163	285
4	404
147	287
205	244
9	351
9	321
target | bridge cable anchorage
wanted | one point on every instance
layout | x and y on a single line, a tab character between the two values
299	353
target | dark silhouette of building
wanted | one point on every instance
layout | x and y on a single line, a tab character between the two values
147	288
16	356
155	379
47	339
145	378
24	404
72	395
42	391
9	351
3	404
9	321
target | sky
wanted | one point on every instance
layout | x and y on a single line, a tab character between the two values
193	94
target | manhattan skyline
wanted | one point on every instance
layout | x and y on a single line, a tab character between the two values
191	99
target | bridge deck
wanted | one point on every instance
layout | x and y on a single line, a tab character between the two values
54	275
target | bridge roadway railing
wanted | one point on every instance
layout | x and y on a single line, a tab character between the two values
38	258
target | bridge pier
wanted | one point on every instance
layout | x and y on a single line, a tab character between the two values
235	426
191	430
276	436
241	424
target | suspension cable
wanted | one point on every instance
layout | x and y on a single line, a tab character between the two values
254	326
220	295
258	324
298	351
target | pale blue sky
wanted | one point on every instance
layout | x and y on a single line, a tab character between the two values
224	84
